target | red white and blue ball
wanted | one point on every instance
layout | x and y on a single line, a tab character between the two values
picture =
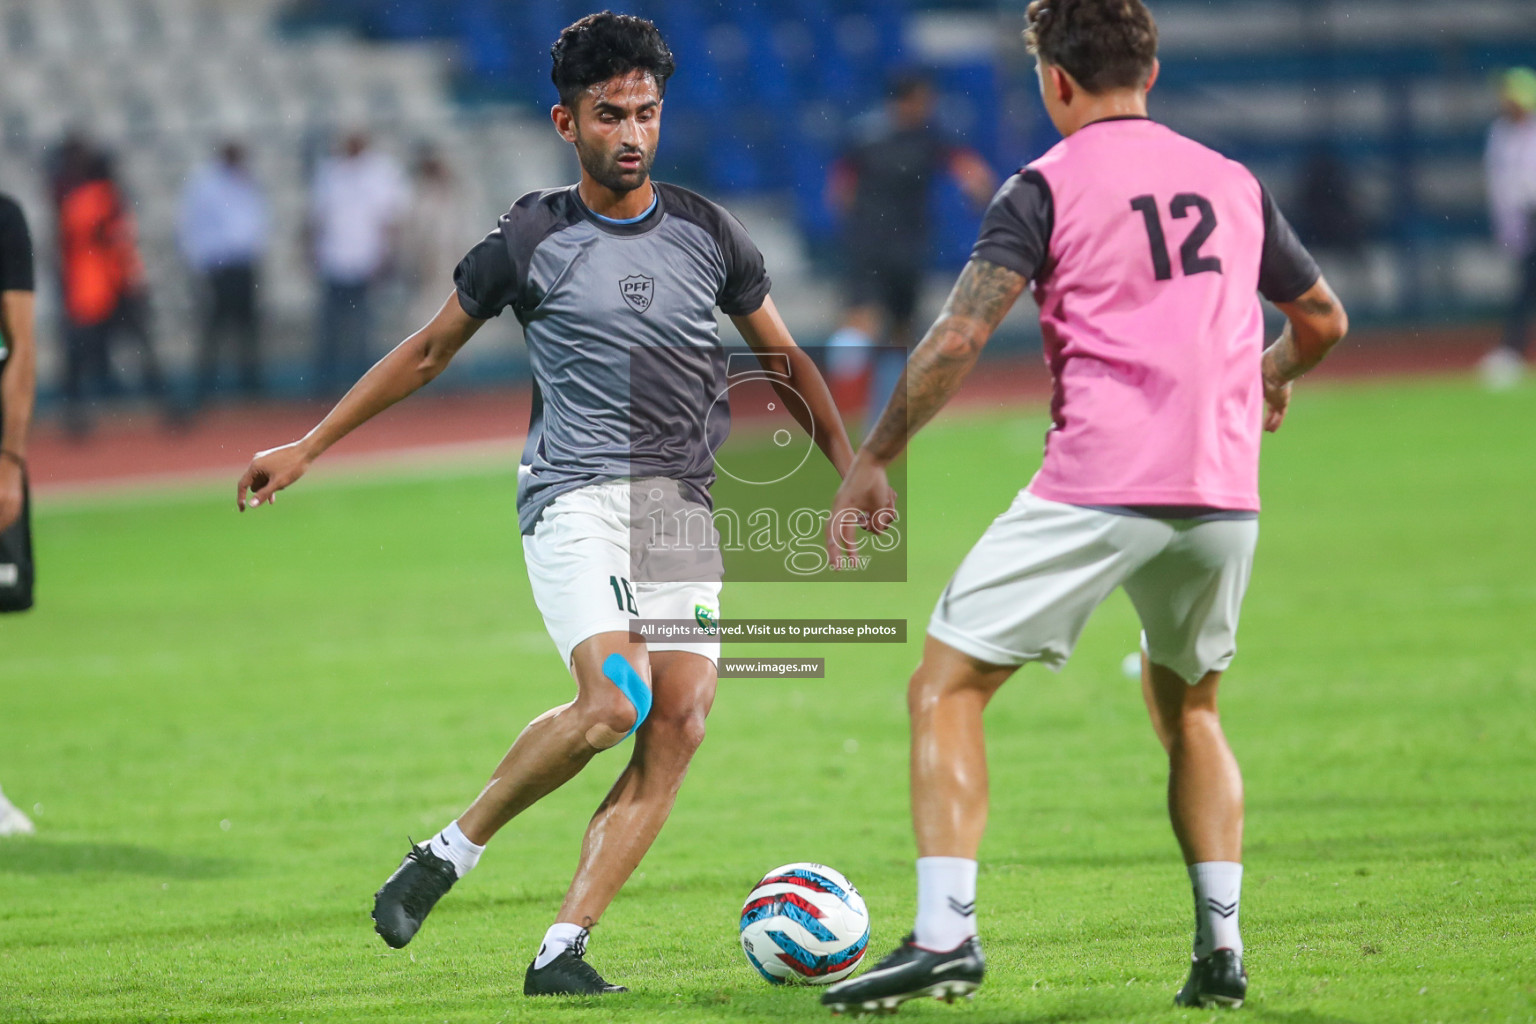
804	923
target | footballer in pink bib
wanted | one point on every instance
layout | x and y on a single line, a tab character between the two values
1155	251
1147	254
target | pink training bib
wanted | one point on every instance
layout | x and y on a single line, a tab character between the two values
1151	320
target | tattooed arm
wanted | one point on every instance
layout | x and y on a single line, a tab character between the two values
978	302
1315	322
980	299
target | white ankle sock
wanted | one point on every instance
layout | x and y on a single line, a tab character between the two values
946	902
453	846
1218	887
556	940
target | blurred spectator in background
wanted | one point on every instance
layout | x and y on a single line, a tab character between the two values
105	293
880	187
68	165
356	203
1328	213
1512	207
436	233
222	229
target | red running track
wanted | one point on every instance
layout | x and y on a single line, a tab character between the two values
137	450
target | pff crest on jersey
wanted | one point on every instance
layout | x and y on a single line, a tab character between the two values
637	290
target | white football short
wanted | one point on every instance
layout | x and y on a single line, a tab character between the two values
1025	591
579	567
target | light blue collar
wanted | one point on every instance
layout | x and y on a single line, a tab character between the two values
655	198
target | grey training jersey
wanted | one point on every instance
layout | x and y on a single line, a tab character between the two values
628	370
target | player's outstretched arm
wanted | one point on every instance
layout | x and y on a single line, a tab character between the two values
1315	322
976	305
765	332
412	363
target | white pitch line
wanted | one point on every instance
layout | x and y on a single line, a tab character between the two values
423	461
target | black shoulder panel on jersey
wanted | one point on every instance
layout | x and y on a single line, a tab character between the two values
494	274
15	248
746	282
1286	268
1016	229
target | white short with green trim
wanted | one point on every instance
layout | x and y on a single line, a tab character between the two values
579	568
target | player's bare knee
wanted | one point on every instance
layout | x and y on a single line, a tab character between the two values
1192	722
927	689
925	697
614	707
691	735
921	696
608	719
681	731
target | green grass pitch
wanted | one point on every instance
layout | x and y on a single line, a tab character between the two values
231	723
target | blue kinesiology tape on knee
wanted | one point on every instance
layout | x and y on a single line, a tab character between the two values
623	675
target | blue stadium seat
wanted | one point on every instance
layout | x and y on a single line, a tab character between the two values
764	94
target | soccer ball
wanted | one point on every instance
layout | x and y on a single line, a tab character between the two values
804	923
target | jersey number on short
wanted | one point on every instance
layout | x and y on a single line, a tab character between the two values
623	595
1189	253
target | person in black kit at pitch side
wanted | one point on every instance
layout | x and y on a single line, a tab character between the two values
881	186
18	377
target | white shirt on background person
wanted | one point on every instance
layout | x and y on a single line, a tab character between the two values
354	202
1511	166
223	220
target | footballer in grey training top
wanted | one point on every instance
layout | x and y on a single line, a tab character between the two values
615	281
619	320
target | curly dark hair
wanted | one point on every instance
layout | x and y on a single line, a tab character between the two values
1103	44
601	46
